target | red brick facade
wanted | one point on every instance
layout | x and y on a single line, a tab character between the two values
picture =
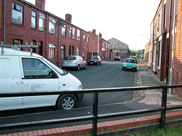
178	51
74	42
168	42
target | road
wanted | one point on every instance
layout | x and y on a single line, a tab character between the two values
107	75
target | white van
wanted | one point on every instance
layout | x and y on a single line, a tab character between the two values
21	72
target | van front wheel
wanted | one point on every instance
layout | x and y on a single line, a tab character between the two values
66	102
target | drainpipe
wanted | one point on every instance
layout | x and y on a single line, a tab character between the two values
168	44
173	47
4	21
58	46
46	34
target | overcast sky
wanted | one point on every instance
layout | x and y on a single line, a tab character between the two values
127	20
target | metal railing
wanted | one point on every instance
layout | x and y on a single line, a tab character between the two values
95	116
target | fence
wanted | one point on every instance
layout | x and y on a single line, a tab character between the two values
95	116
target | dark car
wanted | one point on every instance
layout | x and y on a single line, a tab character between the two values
95	60
117	58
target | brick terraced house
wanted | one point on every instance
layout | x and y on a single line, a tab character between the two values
166	44
24	23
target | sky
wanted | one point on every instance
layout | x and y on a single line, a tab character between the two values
126	20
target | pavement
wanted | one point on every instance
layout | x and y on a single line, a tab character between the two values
152	97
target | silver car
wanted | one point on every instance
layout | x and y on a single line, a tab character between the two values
75	62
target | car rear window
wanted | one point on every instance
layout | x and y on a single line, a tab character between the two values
70	58
94	57
130	60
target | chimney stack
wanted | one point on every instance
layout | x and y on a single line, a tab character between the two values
100	35
68	17
94	31
40	3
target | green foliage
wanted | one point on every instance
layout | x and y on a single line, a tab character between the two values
162	132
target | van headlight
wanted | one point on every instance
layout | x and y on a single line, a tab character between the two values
80	87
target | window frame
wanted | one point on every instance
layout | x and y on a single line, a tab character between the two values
73	33
70	31
41	17
51	51
52	22
63	27
78	34
21	10
33	18
54	74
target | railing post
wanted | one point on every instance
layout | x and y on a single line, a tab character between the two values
164	103
95	113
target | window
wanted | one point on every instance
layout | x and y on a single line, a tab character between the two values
17	42
41	22
84	37
33	19
164	16
17	13
87	38
73	33
36	69
52	24
63	52
63	30
51	51
78	34
70	32
158	22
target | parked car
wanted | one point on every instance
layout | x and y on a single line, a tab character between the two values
74	62
117	58
95	60
129	64
134	57
21	72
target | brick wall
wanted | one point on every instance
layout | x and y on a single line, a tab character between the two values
1	20
110	126
178	51
25	33
94	42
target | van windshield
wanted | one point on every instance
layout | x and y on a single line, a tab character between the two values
59	70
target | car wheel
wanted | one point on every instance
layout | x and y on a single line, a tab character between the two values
78	68
66	102
123	69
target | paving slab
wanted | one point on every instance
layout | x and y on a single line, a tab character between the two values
153	97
